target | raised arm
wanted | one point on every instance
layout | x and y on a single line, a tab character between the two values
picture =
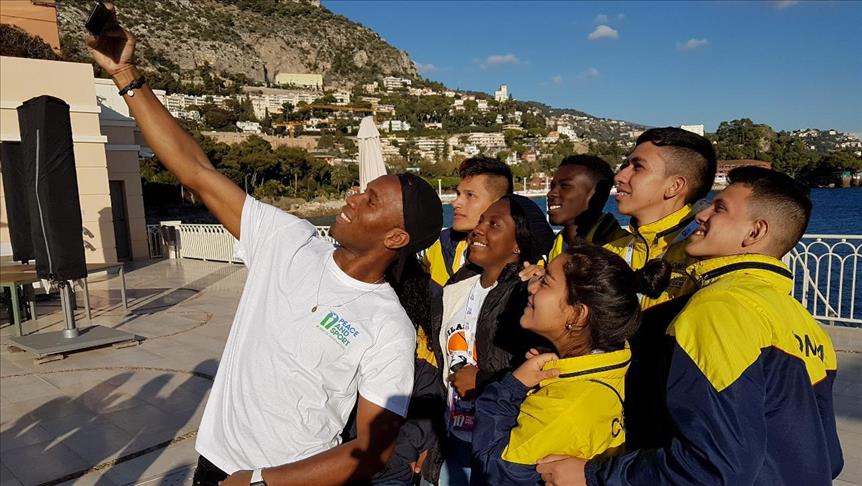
114	52
354	461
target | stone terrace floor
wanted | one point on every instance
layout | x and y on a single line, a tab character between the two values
130	416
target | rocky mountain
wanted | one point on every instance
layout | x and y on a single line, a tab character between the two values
239	38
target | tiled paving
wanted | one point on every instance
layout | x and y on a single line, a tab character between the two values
129	416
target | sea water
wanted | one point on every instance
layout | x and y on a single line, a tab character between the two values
834	212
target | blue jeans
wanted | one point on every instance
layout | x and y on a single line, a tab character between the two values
457	463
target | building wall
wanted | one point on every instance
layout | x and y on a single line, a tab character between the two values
297	79
307	142
22	79
122	152
37	18
725	166
698	129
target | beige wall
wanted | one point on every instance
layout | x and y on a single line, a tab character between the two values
36	18
122	152
297	79
22	79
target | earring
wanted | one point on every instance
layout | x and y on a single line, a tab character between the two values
517	251
569	326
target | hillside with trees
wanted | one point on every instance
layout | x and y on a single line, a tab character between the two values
238	41
793	153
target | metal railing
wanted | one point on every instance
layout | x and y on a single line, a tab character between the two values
155	241
826	277
826	268
323	232
209	242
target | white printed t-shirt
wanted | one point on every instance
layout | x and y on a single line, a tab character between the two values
288	378
461	350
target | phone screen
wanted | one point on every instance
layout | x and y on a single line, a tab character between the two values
97	18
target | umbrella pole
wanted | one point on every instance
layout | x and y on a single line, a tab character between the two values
66	300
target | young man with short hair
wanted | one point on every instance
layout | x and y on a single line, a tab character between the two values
576	200
317	330
749	384
667	172
484	180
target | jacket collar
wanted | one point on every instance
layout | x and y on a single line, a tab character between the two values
670	224
456	291
469	270
707	272
612	365
605	225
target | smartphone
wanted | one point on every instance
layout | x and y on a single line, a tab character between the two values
97	19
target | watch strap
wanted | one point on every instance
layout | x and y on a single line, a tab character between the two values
257	478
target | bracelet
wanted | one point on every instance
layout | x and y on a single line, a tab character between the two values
131	87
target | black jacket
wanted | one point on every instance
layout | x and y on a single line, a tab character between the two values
648	421
420	429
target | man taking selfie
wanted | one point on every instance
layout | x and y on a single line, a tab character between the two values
318	328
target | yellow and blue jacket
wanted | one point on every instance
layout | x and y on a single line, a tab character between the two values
749	387
660	239
445	257
605	230
579	413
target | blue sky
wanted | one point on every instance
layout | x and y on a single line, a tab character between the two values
789	64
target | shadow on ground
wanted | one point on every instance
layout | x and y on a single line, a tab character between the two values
847	387
107	426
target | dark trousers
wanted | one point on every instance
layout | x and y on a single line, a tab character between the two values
207	474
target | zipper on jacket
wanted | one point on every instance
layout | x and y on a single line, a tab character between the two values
39	205
646	244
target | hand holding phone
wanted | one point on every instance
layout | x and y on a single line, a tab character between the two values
98	17
114	47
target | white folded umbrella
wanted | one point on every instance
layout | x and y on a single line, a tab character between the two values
371	165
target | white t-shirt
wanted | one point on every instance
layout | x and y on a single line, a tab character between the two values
289	377
461	348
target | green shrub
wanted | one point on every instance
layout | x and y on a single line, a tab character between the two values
15	42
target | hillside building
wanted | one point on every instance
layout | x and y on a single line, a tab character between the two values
502	94
430	148
392	82
568	131
394	126
342	97
491	140
725	166
248	126
698	129
300	80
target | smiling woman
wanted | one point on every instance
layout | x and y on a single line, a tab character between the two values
475	334
586	305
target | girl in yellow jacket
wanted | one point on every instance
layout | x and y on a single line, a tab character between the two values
586	305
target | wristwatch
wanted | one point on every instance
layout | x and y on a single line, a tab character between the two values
257	478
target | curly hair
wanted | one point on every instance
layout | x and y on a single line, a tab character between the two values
413	291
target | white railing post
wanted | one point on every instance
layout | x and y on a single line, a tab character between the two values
825	274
